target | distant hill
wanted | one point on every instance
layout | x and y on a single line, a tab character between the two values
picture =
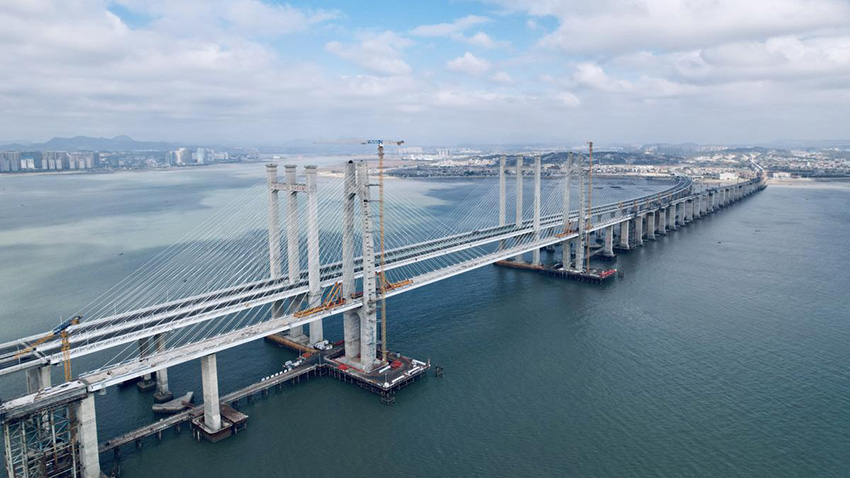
87	143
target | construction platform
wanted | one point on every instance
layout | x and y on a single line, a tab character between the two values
593	276
398	372
232	421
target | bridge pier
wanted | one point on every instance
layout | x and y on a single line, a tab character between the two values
209	381
582	218
274	234
162	393
650	226
84	411
314	296
566	258
146	384
639	230
535	254
38	378
518	258
608	242
350	318
368	314
671	217
502	198
697	207
624	234
293	252
662	221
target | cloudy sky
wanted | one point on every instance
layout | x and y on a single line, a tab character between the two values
431	72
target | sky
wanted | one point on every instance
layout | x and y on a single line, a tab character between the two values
430	72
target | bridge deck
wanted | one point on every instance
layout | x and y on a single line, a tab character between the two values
245	298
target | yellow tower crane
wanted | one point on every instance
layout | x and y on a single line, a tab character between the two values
62	331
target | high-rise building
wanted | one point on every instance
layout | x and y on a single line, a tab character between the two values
59	159
10	161
182	156
81	160
34	158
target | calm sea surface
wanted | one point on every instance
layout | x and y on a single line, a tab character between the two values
724	351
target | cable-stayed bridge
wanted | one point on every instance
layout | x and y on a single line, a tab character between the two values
253	271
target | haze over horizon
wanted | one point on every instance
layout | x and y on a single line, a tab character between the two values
490	72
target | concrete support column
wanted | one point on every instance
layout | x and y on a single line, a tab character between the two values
639	230
624	234
368	314
697	207
582	220
274	234
518	199
650	226
162	394
608	248
662	221
84	413
209	380
293	253
146	384
350	318
503	193
565	206
274	222
38	378
671	217
535	255
314	287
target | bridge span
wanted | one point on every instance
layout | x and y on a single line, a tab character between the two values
51	431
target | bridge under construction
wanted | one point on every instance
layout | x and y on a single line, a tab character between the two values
317	261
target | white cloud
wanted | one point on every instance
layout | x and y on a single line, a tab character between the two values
222	70
593	76
568	99
502	77
455	30
379	53
244	17
610	26
272	19
469	64
448	29
481	39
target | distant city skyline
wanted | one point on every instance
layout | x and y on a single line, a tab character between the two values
433	73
